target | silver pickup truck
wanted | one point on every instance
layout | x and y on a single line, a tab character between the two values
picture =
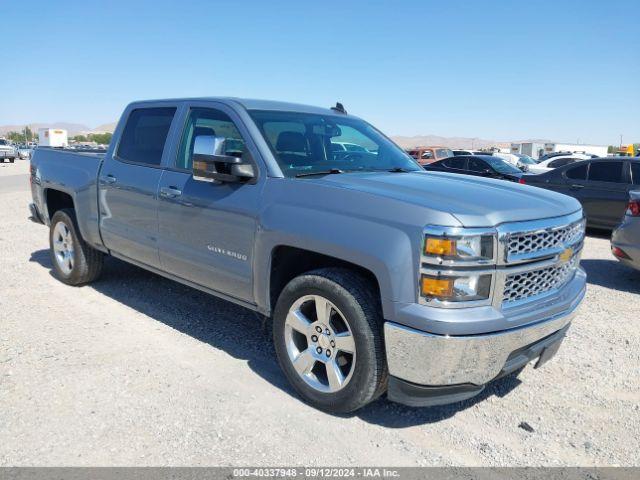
379	276
7	151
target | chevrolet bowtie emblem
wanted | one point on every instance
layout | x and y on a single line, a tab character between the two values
566	255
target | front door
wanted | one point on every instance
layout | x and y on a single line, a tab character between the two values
207	230
128	186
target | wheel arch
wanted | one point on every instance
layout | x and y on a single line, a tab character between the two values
288	262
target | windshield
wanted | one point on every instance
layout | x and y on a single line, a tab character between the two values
304	143
525	159
500	165
4	142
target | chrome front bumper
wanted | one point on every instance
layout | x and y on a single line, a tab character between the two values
425	358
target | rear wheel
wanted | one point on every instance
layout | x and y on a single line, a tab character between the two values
11	160
328	337
74	261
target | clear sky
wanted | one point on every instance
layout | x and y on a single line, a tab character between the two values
504	70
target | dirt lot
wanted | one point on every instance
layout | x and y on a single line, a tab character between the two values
139	370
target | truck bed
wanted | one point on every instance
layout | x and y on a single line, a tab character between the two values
75	173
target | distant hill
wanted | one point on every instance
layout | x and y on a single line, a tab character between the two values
71	128
403	141
451	142
106	127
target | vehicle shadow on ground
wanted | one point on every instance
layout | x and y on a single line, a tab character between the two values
242	334
611	274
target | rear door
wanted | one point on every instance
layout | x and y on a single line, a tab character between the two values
207	229
128	185
605	195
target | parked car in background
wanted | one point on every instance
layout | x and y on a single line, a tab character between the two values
24	152
601	185
625	239
478	165
557	161
347	147
426	155
379	276
7	151
523	162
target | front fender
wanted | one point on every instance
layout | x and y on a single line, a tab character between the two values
387	251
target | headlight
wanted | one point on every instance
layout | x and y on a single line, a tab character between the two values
452	288
466	248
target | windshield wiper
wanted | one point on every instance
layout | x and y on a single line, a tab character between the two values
399	170
323	172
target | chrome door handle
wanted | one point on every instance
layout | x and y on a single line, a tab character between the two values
576	186
108	179
170	192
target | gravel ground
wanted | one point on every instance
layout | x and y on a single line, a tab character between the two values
138	370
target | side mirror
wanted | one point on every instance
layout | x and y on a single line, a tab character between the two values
487	171
211	164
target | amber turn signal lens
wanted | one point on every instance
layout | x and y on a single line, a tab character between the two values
440	246
437	287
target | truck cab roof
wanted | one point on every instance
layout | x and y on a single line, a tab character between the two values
251	104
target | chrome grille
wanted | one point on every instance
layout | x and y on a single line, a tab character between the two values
527	243
523	285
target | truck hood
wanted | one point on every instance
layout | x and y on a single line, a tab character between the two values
474	201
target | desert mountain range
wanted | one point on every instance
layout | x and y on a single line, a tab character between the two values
403	141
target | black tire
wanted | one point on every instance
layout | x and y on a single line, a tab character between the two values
11	160
87	261
356	299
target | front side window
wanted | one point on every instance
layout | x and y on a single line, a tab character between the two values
145	134
210	122
477	165
606	172
304	143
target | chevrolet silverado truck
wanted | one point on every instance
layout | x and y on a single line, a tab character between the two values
378	276
7	151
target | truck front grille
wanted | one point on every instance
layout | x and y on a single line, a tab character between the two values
527	284
526	243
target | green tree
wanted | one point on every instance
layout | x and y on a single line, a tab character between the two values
101	138
16	137
80	138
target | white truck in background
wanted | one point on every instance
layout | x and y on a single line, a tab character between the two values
52	137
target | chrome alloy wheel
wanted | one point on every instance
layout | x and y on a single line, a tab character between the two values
320	344
63	247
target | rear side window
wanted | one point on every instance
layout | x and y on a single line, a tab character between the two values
453	162
578	173
561	162
606	172
145	134
635	173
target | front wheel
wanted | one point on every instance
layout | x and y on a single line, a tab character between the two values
74	261
328	338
